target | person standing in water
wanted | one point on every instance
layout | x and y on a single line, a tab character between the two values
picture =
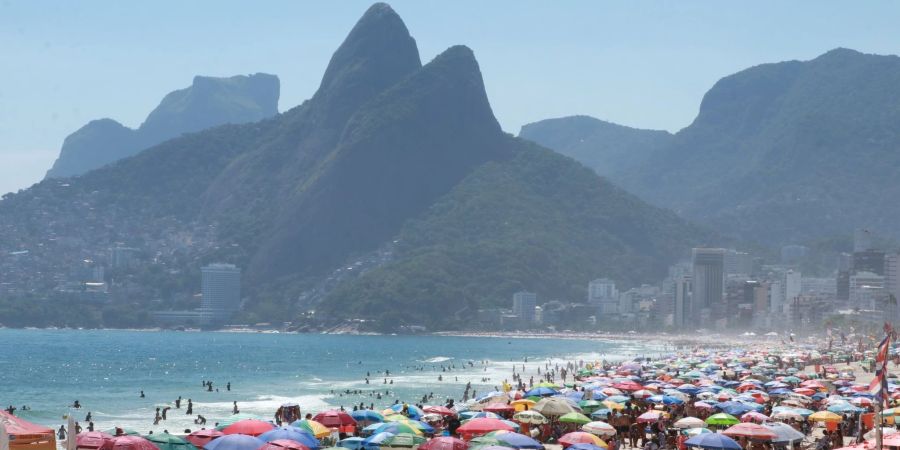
190	408
234	409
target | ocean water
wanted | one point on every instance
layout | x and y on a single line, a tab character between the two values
106	370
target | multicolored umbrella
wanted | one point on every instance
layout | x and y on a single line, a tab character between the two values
314	428
750	430
530	417
599	428
580	437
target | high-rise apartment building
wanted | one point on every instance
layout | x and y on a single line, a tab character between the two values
708	280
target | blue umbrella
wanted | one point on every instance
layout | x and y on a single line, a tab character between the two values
353	443
235	442
376	439
293	434
584	447
713	441
734	408
689	389
516	440
412	411
366	415
600	414
541	392
599	396
575	395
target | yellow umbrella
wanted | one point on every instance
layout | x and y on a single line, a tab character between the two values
613	405
316	428
522	405
825	416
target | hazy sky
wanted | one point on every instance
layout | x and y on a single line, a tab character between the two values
643	64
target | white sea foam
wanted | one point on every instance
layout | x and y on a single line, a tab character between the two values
438	359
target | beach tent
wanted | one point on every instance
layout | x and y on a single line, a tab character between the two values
24	435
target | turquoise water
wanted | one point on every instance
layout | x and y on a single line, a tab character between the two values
106	370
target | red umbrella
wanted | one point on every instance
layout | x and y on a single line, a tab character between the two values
283	444
750	430
202	437
132	443
627	385
334	418
94	440
483	425
444	443
577	437
499	408
442	410
250	427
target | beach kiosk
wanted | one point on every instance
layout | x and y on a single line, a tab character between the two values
24	435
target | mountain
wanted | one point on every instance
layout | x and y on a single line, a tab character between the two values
207	103
387	154
608	148
780	152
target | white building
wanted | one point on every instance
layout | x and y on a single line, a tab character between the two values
602	293
221	291
865	287
793	285
524	304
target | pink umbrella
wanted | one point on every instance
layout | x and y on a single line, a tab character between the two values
94	440
445	443
649	416
250	427
483	425
750	430
754	416
132	443
283	444
202	437
499	408
442	410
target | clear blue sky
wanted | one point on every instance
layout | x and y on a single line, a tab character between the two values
639	63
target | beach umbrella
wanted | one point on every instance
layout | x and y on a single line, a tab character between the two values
132	443
250	427
522	404
442	410
530	417
584	447
499	408
554	407
574	417
722	419
483	425
599	428
483	441
649	417
695	431
641	393
314	428
825	416
541	391
234	418
492	447
396	428
412	411
754	416
353	443
93	440
580	437
4	436
518	441
335	418
466	415
750	430
786	415
713	441
283	444
166	441
122	432
367	415
445	443
202	437
393	440
235	442
784	433
601	414
292	434
689	422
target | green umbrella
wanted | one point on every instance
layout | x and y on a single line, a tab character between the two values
125	431
166	441
590	406
574	417
722	419
483	441
403	440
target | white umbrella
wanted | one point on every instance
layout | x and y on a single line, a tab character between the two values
599	428
531	417
689	422
4	437
71	434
